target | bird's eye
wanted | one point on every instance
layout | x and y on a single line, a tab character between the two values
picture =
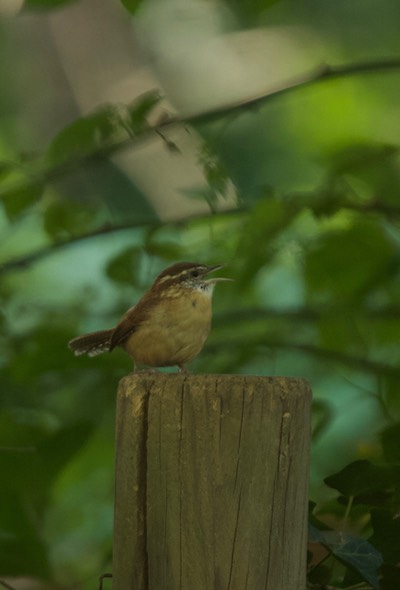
194	273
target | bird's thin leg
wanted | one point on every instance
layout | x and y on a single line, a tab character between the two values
143	369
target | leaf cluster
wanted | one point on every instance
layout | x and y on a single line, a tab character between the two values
368	505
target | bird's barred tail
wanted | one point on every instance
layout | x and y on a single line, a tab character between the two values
92	344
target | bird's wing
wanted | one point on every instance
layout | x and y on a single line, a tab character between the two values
131	321
126	326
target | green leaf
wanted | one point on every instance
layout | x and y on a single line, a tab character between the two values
131	5
250	10
140	109
64	218
363	476
267	220
16	201
164	250
124	268
102	187
86	136
371	170
346	264
358	157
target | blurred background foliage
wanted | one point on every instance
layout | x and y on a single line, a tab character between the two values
128	142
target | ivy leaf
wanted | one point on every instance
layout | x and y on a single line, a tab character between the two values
363	476
358	553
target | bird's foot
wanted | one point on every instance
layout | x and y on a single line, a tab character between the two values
143	369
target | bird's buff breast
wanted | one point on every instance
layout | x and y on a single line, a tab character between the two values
173	333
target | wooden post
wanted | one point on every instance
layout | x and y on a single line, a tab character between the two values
211	483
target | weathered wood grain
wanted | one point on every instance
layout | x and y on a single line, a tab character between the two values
211	483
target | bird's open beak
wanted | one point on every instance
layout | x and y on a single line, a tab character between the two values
216	279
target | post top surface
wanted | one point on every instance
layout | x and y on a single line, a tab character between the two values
148	380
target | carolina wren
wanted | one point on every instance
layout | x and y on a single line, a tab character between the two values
168	326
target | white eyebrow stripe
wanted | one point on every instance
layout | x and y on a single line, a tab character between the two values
179	275
169	277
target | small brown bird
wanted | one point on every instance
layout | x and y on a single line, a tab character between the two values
168	326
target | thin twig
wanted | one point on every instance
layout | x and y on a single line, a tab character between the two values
21	262
101	578
353	361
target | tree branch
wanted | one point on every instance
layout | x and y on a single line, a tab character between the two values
321	74
22	262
